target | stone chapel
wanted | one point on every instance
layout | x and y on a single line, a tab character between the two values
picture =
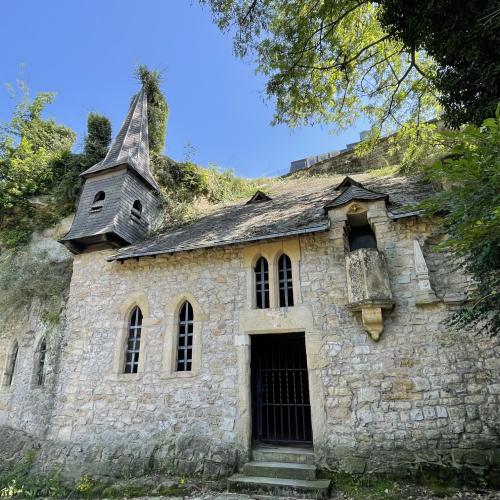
302	327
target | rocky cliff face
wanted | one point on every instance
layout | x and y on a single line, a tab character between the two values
35	283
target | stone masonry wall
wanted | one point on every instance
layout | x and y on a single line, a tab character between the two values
421	394
178	422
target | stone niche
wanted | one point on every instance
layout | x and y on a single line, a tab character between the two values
368	288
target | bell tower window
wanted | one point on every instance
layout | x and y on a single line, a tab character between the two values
98	202
100	196
136	211
360	232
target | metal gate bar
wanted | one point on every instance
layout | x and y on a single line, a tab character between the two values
280	391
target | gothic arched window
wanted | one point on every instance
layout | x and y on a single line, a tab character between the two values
285	281
40	363
11	364
185	338
262	283
133	342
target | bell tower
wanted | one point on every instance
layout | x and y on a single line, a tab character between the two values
119	195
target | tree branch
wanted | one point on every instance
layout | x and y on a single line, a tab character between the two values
328	26
347	61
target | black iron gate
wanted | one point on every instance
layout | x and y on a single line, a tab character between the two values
281	411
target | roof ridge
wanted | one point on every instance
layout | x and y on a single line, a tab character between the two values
136	99
131	144
143	104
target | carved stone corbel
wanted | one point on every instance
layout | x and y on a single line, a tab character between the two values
373	322
368	288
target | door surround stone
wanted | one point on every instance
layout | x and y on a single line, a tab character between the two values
271	321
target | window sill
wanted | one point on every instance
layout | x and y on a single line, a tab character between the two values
178	375
127	377
277	308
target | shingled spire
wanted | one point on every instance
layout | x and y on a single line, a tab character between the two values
131	145
119	194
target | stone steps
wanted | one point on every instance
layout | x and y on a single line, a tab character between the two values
283	454
280	470
319	487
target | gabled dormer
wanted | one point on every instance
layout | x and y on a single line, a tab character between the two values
119	196
258	197
352	214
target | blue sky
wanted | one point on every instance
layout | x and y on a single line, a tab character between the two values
86	51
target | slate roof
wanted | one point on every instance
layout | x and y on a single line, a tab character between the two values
131	145
297	206
355	192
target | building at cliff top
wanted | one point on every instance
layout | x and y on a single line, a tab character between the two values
302	327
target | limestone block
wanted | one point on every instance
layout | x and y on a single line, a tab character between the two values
368	287
368	279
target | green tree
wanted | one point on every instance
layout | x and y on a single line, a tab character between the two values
395	61
470	201
39	175
30	146
463	37
331	62
157	108
70	166
98	138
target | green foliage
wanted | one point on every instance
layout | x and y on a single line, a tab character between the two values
186	184
17	482
69	166
98	138
411	147
39	176
89	487
380	487
384	171
470	201
65	191
157	108
368	487
25	278
397	62
85	485
215	185
220	186
463	37
331	62
30	147
15	235
131	491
